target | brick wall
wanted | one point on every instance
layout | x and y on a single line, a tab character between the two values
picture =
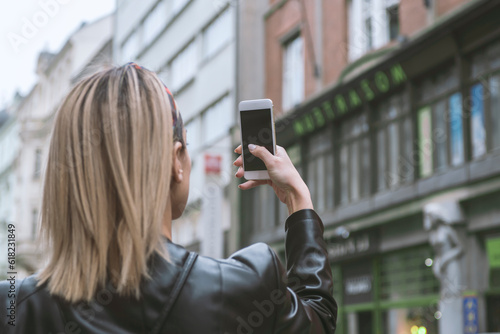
278	25
412	16
335	39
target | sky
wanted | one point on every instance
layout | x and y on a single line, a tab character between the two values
28	27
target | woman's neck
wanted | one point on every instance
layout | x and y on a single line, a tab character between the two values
167	221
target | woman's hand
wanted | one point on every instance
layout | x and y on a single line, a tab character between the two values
285	179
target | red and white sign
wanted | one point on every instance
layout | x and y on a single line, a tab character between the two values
213	164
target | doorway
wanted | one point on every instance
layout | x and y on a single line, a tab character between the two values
360	322
493	312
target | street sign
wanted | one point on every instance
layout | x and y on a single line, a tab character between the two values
470	314
213	164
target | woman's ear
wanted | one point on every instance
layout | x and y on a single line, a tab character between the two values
177	172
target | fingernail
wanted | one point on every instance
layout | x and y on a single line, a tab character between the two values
251	147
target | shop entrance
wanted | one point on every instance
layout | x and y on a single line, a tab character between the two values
360	322
493	307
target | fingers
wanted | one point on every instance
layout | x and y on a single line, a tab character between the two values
238	162
240	172
252	184
238	150
261	152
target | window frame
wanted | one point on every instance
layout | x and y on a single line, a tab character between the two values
347	142
170	66
228	13
287	41
431	102
484	77
314	157
403	114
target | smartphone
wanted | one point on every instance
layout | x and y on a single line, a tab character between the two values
257	127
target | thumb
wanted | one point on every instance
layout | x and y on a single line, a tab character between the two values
260	152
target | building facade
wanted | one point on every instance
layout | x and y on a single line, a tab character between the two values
9	151
390	111
86	49
191	44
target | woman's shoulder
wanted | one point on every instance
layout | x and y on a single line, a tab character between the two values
255	266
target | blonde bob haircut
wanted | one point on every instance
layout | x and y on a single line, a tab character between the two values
107	184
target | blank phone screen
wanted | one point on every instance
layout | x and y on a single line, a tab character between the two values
256	128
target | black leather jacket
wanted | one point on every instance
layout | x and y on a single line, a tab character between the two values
248	293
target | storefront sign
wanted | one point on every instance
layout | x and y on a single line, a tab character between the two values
356	245
342	103
493	248
358	283
470	315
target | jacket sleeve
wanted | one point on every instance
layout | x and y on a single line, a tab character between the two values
304	297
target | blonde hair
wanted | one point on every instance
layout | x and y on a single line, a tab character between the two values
107	183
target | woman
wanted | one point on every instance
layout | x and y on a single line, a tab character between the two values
117	175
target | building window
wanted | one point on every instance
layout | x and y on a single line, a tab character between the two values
183	67
155	22
478	130
320	170
131	47
193	135
372	24
440	122
218	33
355	168
178	5
404	274
217	120
494	89
394	142
293	73
485	101
38	163
393	21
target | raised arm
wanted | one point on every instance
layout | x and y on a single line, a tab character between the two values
307	305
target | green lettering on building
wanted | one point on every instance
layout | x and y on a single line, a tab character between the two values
340	103
354	99
343	103
309	122
318	116
365	86
298	127
327	108
382	82
398	75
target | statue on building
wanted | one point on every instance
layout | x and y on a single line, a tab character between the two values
440	219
